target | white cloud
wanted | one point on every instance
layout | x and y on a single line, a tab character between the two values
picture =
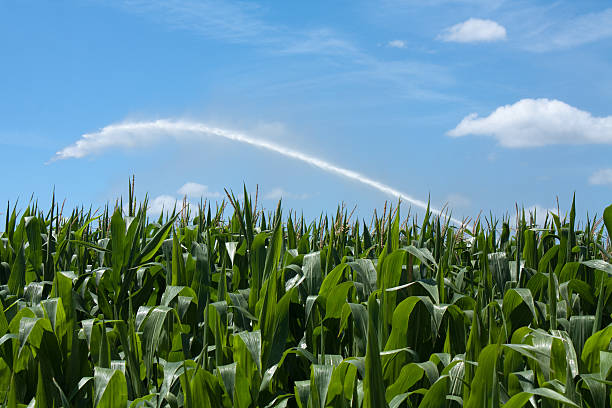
456	200
167	203
603	176
537	122
474	30
191	189
163	203
397	44
278	193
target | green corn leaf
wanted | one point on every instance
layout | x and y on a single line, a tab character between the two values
104	360
17	280
593	345
152	327
118	246
207	391
154	244
484	393
42	401
607	217
436	395
319	384
273	255
110	388
519	307
373	387
520	399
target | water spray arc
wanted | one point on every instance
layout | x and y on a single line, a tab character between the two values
134	134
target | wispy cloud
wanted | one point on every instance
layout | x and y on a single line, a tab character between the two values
245	23
321	41
411	79
196	190
600	177
565	33
537	122
234	21
396	44
394	6
474	30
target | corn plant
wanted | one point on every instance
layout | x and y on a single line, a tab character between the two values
198	308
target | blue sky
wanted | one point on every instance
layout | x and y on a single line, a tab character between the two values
479	104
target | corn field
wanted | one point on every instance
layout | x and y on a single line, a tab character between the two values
235	306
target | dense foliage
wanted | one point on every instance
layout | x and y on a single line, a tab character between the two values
256	309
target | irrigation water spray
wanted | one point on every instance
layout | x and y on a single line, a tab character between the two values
135	134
